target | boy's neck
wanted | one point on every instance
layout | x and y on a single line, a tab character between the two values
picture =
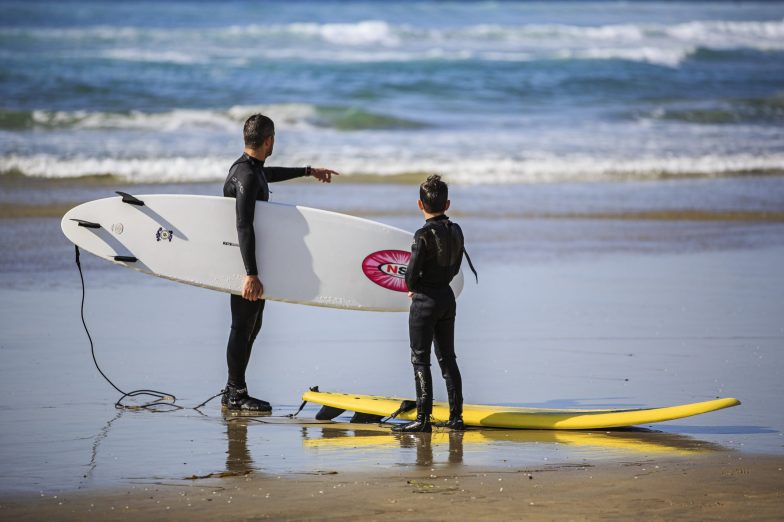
431	216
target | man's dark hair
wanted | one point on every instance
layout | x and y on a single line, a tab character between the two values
257	129
433	194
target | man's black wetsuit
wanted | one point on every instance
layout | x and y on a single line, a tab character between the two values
247	183
436	255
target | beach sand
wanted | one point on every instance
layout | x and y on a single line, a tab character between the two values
724	487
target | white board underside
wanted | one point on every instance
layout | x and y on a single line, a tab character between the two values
305	255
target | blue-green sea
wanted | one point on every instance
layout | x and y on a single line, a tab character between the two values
483	92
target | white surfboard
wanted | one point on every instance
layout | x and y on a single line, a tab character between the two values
305	255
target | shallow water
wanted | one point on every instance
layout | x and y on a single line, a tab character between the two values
576	313
507	224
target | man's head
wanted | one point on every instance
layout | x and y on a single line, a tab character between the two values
433	195
259	133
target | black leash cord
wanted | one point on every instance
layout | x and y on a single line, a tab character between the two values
160	399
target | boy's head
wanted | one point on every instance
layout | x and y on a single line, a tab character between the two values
434	195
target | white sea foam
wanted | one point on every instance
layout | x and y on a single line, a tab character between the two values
360	33
654	55
153	170
377	40
548	168
95	32
154	56
291	115
541	169
723	34
378	31
591	168
301	116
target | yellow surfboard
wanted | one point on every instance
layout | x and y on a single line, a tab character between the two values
523	418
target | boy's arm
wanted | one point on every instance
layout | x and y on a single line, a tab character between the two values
462	249
415	263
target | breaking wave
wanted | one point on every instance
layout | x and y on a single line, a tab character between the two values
377	40
545	169
291	115
765	110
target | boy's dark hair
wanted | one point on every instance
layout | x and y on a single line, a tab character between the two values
433	194
257	129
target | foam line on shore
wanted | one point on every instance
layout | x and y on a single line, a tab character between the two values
488	170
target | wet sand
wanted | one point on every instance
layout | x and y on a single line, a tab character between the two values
724	487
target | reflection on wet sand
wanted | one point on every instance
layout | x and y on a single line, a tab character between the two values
319	439
629	440
238	457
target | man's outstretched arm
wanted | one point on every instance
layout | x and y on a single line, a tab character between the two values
276	174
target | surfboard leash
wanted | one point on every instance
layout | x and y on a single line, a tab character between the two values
164	400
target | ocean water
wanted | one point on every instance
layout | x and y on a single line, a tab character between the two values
484	92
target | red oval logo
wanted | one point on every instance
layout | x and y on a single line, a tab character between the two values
394	270
387	268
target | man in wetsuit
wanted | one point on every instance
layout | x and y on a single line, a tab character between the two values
247	183
436	255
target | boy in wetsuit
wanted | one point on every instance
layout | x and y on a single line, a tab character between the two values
436	254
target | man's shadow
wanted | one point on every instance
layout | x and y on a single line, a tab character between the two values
238	458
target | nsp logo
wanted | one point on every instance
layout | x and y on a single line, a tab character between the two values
387	268
394	269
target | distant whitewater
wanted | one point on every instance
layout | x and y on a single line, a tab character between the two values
481	92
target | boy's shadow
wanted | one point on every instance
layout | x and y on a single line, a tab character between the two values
422	442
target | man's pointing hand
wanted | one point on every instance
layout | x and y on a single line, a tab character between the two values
323	175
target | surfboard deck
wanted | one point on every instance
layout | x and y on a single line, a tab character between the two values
305	255
521	418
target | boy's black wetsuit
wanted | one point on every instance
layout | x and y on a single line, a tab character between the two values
247	182
436	255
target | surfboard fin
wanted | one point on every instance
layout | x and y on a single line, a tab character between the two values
406	405
328	413
132	200
86	224
365	418
125	259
